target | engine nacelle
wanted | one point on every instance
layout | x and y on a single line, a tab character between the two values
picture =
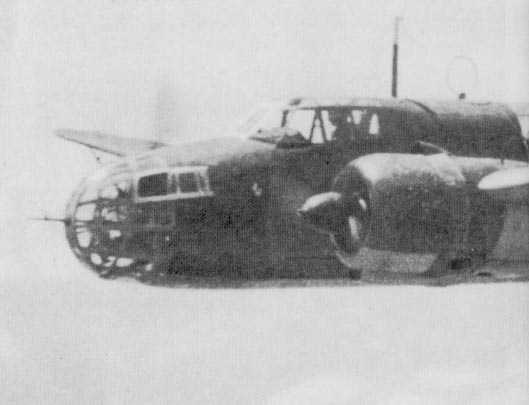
414	204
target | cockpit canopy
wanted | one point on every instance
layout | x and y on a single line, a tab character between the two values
314	123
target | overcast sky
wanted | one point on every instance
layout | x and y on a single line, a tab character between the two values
100	64
106	64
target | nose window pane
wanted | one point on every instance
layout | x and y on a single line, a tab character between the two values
173	186
188	183
109	191
153	185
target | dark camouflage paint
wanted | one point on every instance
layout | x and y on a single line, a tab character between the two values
236	234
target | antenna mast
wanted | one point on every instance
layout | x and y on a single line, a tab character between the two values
394	71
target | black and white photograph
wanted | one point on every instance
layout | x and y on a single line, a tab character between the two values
264	202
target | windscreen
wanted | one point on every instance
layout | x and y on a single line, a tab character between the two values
318	125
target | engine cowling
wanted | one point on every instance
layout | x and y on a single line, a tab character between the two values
410	204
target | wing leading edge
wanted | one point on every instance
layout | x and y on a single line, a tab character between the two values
511	184
115	145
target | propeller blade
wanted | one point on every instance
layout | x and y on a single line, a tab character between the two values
322	210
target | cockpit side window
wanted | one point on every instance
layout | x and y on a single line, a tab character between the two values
300	120
321	125
153	185
312	124
354	124
340	122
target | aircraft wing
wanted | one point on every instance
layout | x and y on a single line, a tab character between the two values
510	184
115	145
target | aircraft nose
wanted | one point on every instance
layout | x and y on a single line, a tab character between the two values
97	218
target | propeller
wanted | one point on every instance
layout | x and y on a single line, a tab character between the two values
324	211
327	211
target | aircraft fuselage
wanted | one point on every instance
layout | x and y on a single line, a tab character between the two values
229	206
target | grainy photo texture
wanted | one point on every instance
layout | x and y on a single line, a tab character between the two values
299	202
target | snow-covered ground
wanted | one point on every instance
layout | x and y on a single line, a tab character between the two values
67	336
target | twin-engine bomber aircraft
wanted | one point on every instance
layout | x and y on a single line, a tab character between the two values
229	207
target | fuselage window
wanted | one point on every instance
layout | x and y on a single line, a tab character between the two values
188	183
374	125
153	185
357	116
